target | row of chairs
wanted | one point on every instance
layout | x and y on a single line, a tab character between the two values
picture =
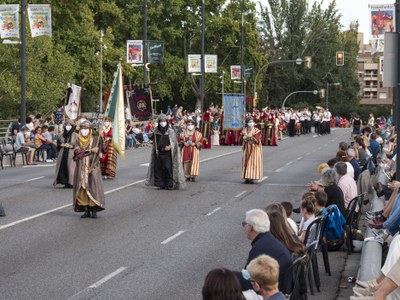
306	267
7	151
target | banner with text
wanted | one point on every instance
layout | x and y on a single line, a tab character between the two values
73	100
140	103
234	111
155	50
9	21
134	52
40	19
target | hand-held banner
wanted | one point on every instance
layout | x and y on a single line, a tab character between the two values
74	98
115	110
234	111
9	21
140	103
40	19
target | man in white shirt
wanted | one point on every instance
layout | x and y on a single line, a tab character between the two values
23	146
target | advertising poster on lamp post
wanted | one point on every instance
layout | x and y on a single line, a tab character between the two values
194	63
382	19
9	21
236	73
134	52
155	50
40	19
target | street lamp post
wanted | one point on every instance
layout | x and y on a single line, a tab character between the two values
315	92
298	61
327	91
203	30
101	72
23	64
145	45
242	54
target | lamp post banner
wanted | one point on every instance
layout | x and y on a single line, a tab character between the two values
211	63
134	52
9	21
155	50
74	98
236	73
140	103
234	111
40	19
382	19
194	63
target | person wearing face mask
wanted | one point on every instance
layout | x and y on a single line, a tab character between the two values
88	195
190	142
109	160
165	169
65	167
252	164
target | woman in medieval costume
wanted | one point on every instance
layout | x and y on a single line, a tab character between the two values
165	169
190	142
109	160
65	167
88	184
271	134
252	165
206	129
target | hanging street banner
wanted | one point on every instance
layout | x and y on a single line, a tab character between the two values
235	73
73	100
234	111
381	65
40	19
155	52
211	63
140	103
382	19
116	111
134	52
248	72
194	63
9	21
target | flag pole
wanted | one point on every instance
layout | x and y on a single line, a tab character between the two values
151	104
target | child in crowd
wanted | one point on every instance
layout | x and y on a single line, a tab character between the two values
289	209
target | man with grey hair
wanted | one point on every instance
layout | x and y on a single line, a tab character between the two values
256	227
353	161
346	183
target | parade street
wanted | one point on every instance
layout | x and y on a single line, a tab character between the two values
147	243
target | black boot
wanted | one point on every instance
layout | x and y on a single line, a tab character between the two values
94	212
87	213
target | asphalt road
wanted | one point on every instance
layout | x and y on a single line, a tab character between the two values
147	244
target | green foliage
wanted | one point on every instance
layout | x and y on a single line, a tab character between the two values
286	30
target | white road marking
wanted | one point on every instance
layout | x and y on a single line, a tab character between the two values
61	207
289	163
301	157
308	153
314	136
213	212
172	237
124	186
281	169
218	156
240	194
39	166
145	165
325	145
36	178
100	282
262	179
107	278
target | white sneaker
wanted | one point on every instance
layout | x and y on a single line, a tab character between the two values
361	292
49	160
367	284
381	233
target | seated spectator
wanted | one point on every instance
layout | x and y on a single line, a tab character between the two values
280	229
363	152
264	273
329	185
342	156
15	128
307	209
222	284
50	142
289	209
352	160
130	137
257	229
138	134
320	204
25	146
387	281
343	146
346	183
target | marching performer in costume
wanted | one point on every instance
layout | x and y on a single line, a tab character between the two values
252	166
271	134
88	185
165	169
206	129
109	160
65	167
190	142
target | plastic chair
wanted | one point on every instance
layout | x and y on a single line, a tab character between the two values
298	269
7	153
352	217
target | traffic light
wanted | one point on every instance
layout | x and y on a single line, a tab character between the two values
340	58
322	93
308	62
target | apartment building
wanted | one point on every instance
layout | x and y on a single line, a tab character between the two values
370	76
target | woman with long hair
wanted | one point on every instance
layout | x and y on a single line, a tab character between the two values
222	284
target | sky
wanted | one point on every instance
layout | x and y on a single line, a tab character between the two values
352	10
